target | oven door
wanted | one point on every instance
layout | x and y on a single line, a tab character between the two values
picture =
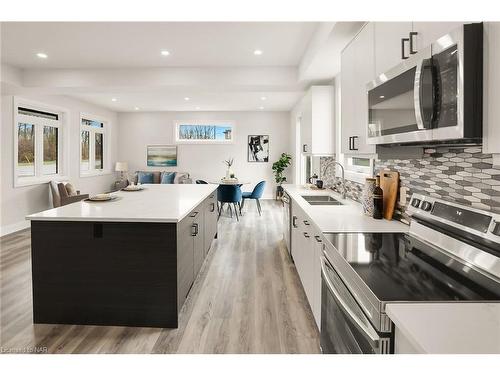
344	327
401	102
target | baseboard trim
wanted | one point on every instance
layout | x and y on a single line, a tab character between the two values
12	228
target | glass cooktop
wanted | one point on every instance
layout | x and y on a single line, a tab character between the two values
399	267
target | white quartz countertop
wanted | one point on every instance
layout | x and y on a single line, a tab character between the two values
156	203
449	328
347	218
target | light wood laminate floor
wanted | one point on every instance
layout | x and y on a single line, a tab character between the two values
247	299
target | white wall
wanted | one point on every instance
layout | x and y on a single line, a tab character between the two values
205	162
18	202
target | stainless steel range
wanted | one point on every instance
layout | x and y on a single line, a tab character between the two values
451	253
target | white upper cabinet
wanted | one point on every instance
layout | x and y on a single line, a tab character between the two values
388	44
316	121
429	32
357	69
491	90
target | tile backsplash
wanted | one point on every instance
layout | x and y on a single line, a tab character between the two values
354	190
460	174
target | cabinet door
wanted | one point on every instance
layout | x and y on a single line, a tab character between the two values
357	69
210	221
185	259
429	32
388	37
316	279
491	89
198	240
306	124
322	137
307	260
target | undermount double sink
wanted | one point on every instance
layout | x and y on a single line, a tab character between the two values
321	200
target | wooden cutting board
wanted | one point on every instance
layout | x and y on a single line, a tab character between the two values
389	182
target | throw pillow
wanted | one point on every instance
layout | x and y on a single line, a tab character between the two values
145	177
167	177
70	189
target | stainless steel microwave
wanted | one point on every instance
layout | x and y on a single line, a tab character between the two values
435	96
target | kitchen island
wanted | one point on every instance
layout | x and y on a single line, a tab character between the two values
126	262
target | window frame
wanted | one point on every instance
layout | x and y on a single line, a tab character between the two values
62	141
204	141
106	131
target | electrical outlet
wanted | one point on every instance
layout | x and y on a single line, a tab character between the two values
403	190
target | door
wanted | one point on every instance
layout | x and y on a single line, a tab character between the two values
357	70
198	240
210	221
344	327
316	279
185	259
429	32
388	46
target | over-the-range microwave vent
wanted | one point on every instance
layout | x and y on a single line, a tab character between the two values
435	97
448	143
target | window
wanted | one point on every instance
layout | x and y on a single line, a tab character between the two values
38	143
93	146
204	132
359	165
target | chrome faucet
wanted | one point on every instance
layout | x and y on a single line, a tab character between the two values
343	176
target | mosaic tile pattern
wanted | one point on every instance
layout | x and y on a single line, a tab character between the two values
354	190
462	175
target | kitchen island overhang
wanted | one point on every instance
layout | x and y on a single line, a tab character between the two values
129	262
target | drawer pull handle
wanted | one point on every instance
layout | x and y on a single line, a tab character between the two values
306	222
318	238
306	235
194	228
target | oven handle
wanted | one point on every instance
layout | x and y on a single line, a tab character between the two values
368	331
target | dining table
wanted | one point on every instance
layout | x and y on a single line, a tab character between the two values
229	182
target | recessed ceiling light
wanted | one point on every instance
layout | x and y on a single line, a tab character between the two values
165	53
382	96
263	98
114	99
187	98
41	55
257	52
136	108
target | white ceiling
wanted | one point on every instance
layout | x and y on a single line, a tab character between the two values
212	63
199	101
138	44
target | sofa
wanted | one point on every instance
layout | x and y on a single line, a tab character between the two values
63	193
178	178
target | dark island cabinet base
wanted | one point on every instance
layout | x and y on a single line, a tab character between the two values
115	273
105	273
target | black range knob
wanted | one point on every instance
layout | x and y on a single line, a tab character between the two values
415	202
426	206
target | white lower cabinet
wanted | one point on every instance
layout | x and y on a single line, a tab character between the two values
307	247
316	280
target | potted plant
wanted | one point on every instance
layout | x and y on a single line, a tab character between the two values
229	172
278	169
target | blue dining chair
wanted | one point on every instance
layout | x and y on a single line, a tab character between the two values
230	194
201	182
256	194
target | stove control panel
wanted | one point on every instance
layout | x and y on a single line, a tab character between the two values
484	224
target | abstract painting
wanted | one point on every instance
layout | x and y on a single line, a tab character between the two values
258	148
162	156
